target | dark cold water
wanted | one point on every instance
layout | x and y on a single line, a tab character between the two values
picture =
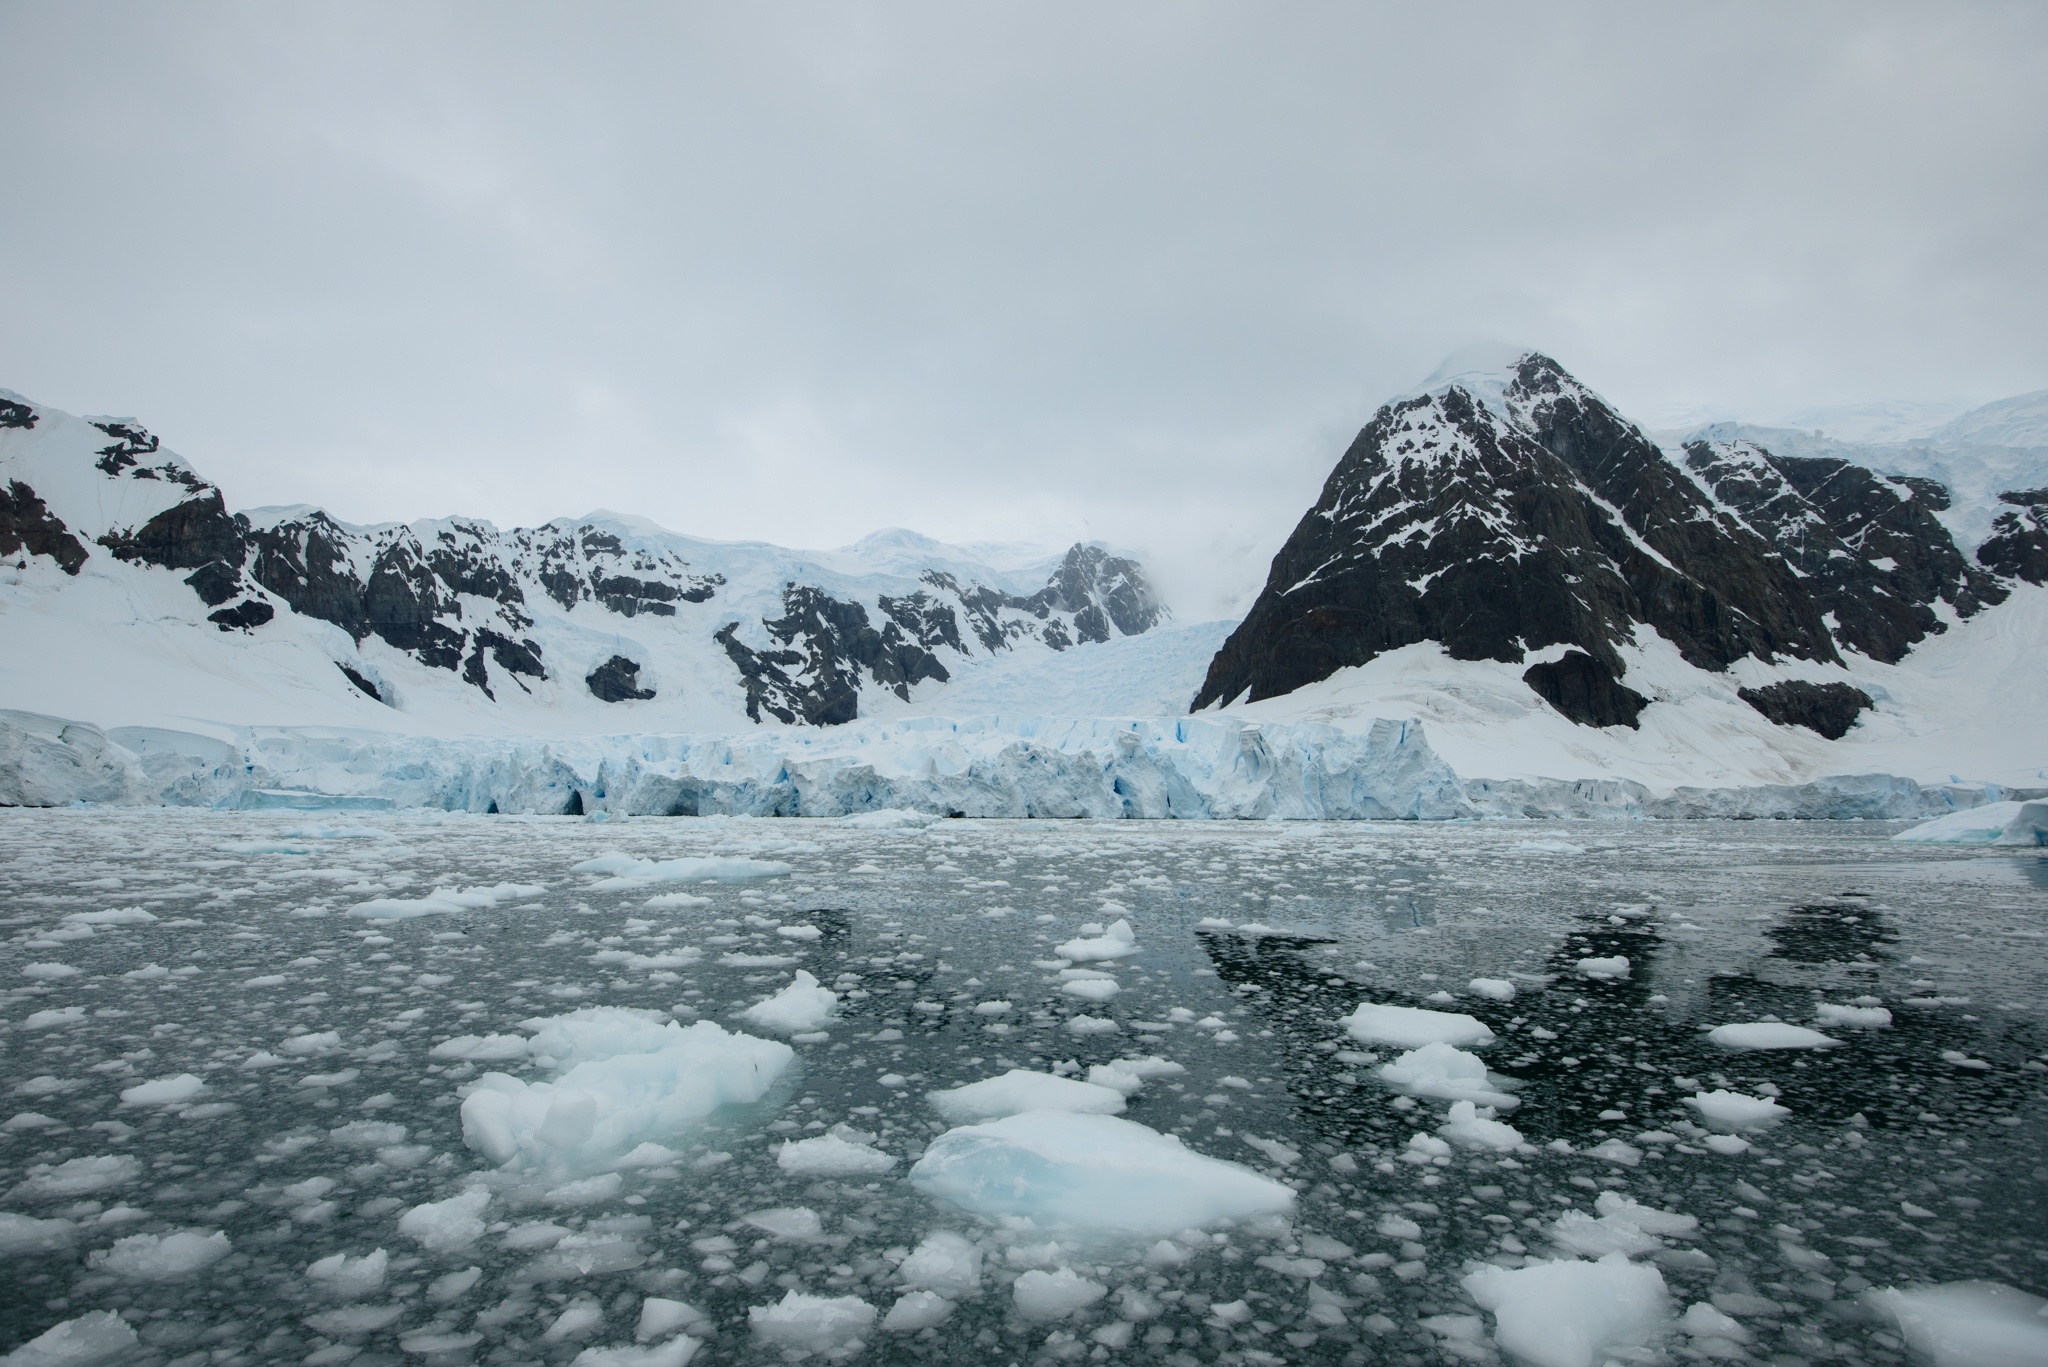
1912	1154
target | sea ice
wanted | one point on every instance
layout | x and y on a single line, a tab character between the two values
1021	1089
815	1324
444	902
944	1262
1571	1313
800	1007
1970	1324
101	1336
1769	1035
163	1091
660	1317
677	1352
916	1310
1493	989
831	1155
628	872
1736	1111
1117	942
1409	1027
161	1257
627	1081
1092	1172
444	1226
482	1048
1129	1075
1043	1296
78	1176
1439	1070
1615	966
1466	1126
348	1278
1853	1017
20	1234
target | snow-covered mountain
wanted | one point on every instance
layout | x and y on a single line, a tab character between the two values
1504	546
130	593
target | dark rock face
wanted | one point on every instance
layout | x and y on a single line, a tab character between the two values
1585	690
1831	709
246	615
27	524
587	564
2018	544
617	680
131	442
369	689
825	645
1869	546
184	536
14	414
1546	518
215	582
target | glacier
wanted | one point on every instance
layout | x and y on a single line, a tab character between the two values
1221	767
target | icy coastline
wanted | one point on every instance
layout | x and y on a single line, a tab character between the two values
1220	768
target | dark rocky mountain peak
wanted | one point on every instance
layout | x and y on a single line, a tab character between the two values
2018	544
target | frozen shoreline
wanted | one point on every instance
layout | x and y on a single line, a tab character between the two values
1195	768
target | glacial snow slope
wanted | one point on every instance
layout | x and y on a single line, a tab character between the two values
130	595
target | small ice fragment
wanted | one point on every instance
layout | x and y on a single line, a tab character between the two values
1969	1324
1021	1089
1466	1126
481	1047
162	1257
1409	1027
99	1336
801	1006
1119	941
444	1226
587	1191
1769	1035
1493	989
1614	967
453	1285
578	1319
49	972
814	1323
945	1262
1091	989
1092	1025
1736	1111
349	1278
660	1317
1702	1320
24	1234
916	1310
1571	1313
1045	1296
78	1177
1439	1070
1094	1172
1853	1017
799	1223
828	1155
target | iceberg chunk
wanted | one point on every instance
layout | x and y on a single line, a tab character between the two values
831	1155
1021	1089
162	1257
1091	1172
1042	1295
1571	1313
444	1226
631	1082
629	872
945	1262
800	1007
1736	1111
1118	942
1475	1131
1410	1027
1442	1071
102	1336
1770	1035
814	1323
1970	1324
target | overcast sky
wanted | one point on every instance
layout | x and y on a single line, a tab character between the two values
1124	271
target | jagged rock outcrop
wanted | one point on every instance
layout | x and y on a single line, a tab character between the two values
1828	708
1495	531
1520	511
28	527
2018	544
1873	556
617	680
824	645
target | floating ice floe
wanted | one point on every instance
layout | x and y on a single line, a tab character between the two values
1410	1027
890	819
1969	1324
1769	1035
1571	1313
1439	1070
481	1048
1623	1226
23	1234
944	1262
1857	1017
1044	1296
444	902
163	1091
626	1079
626	871
916	1310
798	1008
1615	966
815	1324
112	916
78	1177
162	1257
1468	1127
1129	1075
1493	989
1995	823
1736	1111
49	972
832	1155
444	1226
1021	1089
1098	945
1091	1172
101	1336
348	1278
